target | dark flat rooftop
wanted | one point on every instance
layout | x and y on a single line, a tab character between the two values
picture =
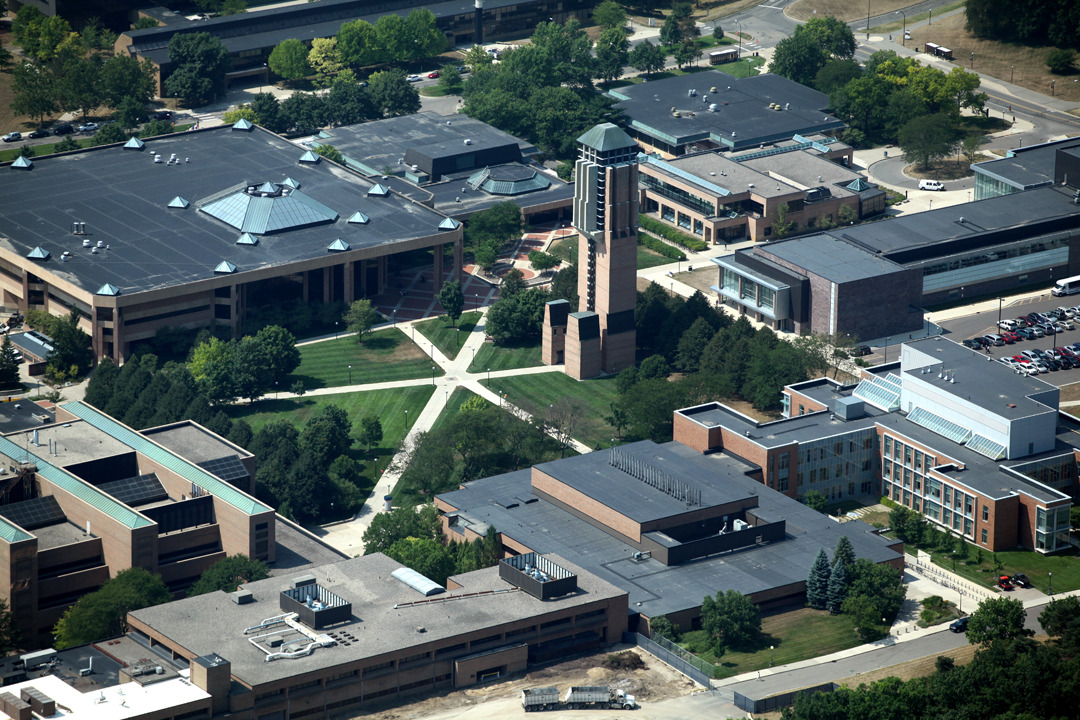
296	549
1028	166
939	233
593	475
193	442
743	118
212	623
831	258
123	197
18	416
654	588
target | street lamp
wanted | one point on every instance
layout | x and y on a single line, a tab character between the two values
350	374
1050	586
903	38
1052	88
1012	70
335	329
867	19
772	654
406	421
931	21
972	59
489	377
433	375
887	339
740	38
1000	301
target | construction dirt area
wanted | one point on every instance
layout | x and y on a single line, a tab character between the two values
657	687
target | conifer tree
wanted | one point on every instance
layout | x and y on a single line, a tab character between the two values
838	587
817	583
844	553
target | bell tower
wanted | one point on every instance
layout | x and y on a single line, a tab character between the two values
600	337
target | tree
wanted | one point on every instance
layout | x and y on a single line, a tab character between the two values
647	58
661	627
430	558
609	15
799	58
1061	61
685	52
477	57
815	500
290	60
844	554
563	418
123	76
997	619
501	222
516	317
838	588
326	436
371	431
783	225
836	74
731	620
72	351
927	138
108	134
228	574
817	582
330	152
671	31
391	93
422	37
970	146
390	31
324	60
78	84
243	112
402	522
612	53
279	347
718	34
567	52
9	366
303	113
452	300
1061	620
249	368
130	114
512	283
834	36
201	64
358	44
880	585
103	614
450	81
360	318
35	93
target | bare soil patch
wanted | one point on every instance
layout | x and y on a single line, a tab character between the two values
951	169
1019	64
846	10
654	682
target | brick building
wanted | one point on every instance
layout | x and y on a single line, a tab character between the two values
974	447
84	497
193	229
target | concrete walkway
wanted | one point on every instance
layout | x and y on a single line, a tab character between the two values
348	536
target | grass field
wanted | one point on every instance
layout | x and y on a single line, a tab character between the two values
1019	64
394	408
446	337
457	397
566	249
796	635
1066	568
846	10
386	355
506	357
533	393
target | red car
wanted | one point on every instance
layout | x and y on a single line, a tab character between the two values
433	74
1010	337
1005	582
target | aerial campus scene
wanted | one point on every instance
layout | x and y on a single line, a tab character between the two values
463	359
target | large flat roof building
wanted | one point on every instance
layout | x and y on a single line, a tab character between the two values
1023	168
714	110
187	229
456	165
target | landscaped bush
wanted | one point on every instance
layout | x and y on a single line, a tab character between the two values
889	503
659	246
671	234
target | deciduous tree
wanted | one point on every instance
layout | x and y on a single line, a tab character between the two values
325	60
731	619
402	522
392	94
201	64
927	138
360	318
452	300
358	44
103	614
609	15
997	619
228	574
289	59
612	53
647	58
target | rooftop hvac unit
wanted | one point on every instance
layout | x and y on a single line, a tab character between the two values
739	525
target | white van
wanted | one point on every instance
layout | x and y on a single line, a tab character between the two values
931	185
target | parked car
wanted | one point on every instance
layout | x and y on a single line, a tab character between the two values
995	340
1026	333
959	625
39	133
63	129
974	343
1008	361
1069	311
1021	580
1064	325
862	351
163	115
1039	330
1005	583
433	74
1007	324
89	127
413	78
1009	337
931	185
1028	369
12	137
1021	322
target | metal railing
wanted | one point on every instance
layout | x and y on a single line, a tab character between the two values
668	652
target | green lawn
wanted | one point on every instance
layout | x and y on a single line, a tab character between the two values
445	337
392	407
797	635
646	258
566	249
385	356
39	150
1066	568
457	397
506	357
533	393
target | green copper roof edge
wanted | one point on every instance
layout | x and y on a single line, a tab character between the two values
188	470
79	488
12	533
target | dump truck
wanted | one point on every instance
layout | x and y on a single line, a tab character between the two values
576	698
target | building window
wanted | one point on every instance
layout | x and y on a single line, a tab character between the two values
802	410
983	536
986	514
888	446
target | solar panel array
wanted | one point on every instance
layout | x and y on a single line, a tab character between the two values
135	491
228	468
30	514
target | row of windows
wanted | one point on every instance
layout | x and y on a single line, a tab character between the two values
1031	248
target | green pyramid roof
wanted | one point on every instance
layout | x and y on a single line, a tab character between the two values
310	157
605	137
294	184
378	189
449	224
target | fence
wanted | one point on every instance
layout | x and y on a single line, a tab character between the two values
775	702
668	652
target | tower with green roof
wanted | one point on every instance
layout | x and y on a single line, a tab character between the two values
600	338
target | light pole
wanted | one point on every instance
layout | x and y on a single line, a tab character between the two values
887	339
1000	301
737	22
335	329
903	38
973	59
406	421
446	401
1012	71
772	654
433	376
1052	88
1050	585
867	19
350	374
489	377
931	21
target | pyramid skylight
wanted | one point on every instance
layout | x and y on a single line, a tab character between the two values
134	143
338	245
178	202
359	218
378	189
108	289
225	267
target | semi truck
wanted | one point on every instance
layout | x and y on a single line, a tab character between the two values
576	698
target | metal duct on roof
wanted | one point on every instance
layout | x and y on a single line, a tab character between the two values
417	582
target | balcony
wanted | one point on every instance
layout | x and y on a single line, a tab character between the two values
681	197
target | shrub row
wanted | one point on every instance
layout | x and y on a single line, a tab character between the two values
889	503
657	245
671	234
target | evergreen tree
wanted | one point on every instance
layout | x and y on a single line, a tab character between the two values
9	366
844	553
838	586
817	582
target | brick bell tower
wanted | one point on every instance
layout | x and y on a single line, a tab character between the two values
600	337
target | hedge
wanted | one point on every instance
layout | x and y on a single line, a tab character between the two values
657	245
892	504
671	234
